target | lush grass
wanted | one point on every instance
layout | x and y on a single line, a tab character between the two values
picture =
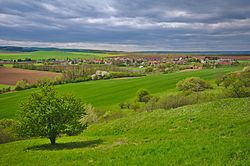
5	86
111	92
214	133
51	54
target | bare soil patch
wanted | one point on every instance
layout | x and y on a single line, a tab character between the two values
10	76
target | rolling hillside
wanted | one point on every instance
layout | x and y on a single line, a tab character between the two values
111	92
215	133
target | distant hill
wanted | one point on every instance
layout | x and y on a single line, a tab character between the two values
32	49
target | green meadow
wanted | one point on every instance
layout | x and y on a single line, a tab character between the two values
214	133
5	86
109	93
51	54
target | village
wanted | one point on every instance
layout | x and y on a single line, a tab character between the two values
136	61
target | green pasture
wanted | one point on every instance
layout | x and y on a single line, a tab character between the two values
51	54
109	93
215	133
5	86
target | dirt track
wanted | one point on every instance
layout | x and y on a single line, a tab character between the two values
10	76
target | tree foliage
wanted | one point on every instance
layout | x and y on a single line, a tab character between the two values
48	114
21	85
238	83
143	95
194	84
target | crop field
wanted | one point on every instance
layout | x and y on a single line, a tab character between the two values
50	54
215	133
111	92
61	55
10	76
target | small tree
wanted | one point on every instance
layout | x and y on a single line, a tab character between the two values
143	95
48	114
194	84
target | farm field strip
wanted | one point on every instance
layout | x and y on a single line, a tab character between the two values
111	92
50	54
10	76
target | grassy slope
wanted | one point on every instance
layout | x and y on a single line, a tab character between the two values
111	92
50	54
214	133
5	86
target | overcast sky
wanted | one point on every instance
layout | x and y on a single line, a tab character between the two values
130	25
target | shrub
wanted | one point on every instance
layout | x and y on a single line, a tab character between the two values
194	84
21	85
238	83
124	105
149	69
4	90
219	79
135	106
143	95
174	101
181	99
152	104
43	81
7	131
90	117
58	80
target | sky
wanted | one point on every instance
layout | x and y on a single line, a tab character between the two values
127	25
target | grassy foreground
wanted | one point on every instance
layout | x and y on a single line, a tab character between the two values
215	133
111	92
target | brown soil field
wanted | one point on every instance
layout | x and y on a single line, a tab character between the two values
10	76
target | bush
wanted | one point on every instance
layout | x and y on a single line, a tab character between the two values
44	81
219	79
135	106
174	101
21	85
90	117
124	105
143	95
149	69
238	83
152	104
181	99
4	90
194	84
7	131
58	80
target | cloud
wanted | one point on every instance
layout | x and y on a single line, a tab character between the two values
164	24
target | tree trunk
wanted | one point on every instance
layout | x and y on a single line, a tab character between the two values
52	140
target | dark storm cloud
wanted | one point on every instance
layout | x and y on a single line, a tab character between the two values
128	25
